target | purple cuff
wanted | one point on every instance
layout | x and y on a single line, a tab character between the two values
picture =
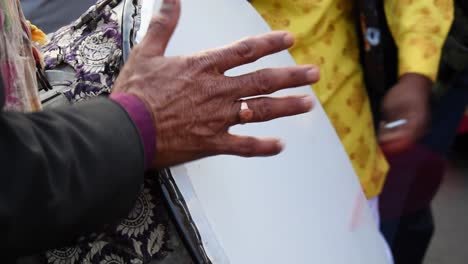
142	119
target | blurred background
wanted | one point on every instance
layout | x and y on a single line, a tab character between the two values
450	241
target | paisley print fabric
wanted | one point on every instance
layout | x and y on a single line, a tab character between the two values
92	50
140	238
83	60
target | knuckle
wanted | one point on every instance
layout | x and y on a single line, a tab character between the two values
158	23
245	50
293	74
208	61
202	62
233	113
262	81
192	62
247	147
273	41
265	110
293	77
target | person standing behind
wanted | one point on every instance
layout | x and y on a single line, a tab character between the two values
326	34
416	175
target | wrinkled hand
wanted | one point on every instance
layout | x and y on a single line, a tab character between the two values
409	99
193	103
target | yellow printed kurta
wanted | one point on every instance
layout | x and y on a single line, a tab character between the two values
326	36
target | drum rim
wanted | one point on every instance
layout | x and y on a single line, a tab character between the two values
183	220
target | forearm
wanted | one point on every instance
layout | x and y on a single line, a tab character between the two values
66	172
419	28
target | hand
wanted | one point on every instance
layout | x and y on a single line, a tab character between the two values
193	103
409	99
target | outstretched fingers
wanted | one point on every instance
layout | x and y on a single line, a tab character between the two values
246	146
262	109
247	50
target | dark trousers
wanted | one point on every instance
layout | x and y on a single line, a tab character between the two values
409	236
407	221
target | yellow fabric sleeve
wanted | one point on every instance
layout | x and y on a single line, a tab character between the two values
419	28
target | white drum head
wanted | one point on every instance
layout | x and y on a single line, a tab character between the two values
303	206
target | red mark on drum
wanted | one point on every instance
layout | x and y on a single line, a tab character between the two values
356	215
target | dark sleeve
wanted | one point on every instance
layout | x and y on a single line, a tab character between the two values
66	172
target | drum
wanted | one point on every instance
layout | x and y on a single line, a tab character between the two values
303	206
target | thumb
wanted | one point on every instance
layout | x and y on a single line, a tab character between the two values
161	28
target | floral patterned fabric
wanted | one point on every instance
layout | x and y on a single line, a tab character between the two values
145	236
92	51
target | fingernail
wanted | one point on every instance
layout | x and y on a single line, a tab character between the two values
308	102
280	144
312	74
167	4
288	39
